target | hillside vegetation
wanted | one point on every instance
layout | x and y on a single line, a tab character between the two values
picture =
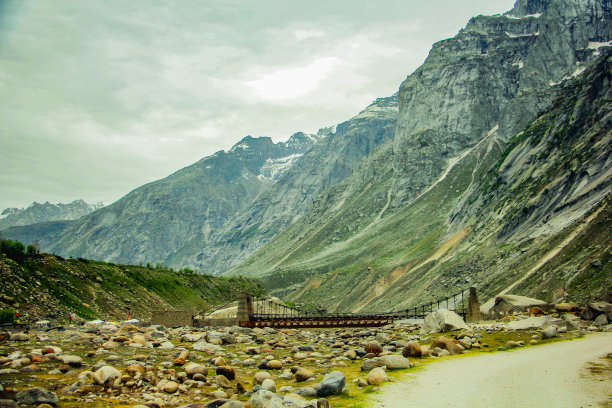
43	286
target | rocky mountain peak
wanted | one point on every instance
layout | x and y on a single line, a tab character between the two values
529	7
36	213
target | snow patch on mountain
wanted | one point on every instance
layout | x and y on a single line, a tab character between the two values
536	15
273	169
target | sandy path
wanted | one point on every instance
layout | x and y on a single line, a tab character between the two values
553	375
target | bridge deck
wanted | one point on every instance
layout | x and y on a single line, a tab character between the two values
319	322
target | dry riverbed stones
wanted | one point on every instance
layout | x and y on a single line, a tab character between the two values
231	367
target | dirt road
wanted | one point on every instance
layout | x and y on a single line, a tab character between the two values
564	374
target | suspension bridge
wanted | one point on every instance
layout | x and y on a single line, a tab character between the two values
259	312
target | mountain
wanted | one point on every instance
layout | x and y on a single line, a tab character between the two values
383	210
329	162
156	219
49	287
37	213
397	231
217	212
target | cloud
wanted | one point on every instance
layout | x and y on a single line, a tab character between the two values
290	83
97	98
301	35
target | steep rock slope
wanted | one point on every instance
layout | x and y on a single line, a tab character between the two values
496	73
373	241
325	165
154	220
551	191
36	213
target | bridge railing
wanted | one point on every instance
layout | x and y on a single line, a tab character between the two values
265	309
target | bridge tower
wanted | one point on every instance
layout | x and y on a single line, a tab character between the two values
473	313
245	308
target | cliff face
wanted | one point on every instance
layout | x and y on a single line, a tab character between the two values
495	75
554	171
391	234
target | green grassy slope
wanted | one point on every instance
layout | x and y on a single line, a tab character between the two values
47	286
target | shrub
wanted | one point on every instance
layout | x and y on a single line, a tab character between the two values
7	316
13	249
33	249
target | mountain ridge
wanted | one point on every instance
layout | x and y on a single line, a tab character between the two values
37	213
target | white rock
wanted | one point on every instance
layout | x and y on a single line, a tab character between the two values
106	374
442	321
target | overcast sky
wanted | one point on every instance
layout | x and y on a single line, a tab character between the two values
100	97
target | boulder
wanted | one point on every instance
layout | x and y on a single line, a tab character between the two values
171	387
223	382
72	361
166	345
134	369
260	376
303	374
395	362
373	347
412	349
35	396
109	345
206	347
307	392
232	404
332	384
192	337
442	321
600	320
266	399
274	365
51	350
572	322
593	310
445	344
19	337
219	394
536	311
567	307
108	328
377	376
466	343
512	344
269	384
549	332
534	323
183	356
371	363
106	374
192	369
227	371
